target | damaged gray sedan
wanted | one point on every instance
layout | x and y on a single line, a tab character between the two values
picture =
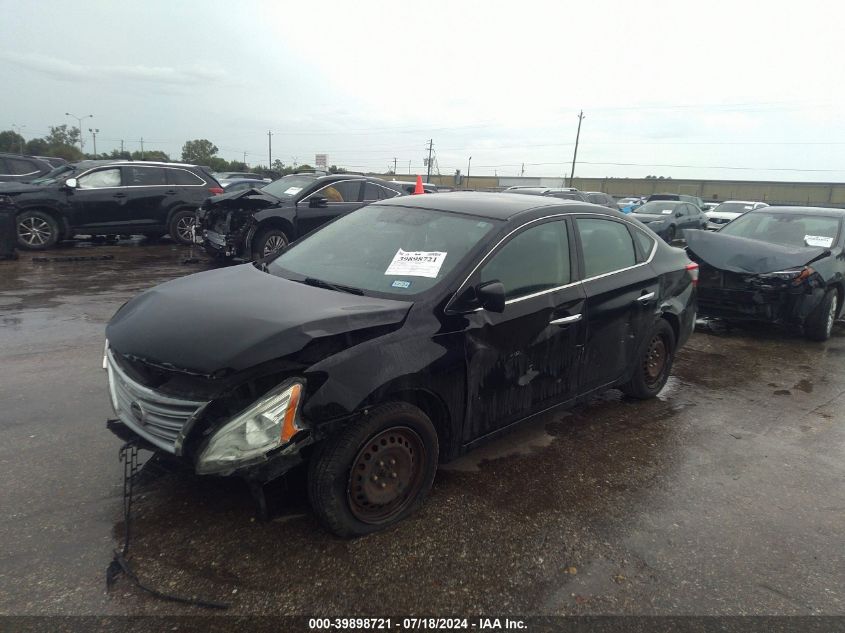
783	265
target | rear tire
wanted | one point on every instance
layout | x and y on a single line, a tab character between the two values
819	324
654	363
375	472
180	226
268	242
37	230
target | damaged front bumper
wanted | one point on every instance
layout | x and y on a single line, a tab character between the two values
755	299
224	234
260	443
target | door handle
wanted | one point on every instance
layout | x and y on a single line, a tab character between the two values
646	297
119	195
170	192
566	320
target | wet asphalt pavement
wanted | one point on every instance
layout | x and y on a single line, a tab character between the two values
725	495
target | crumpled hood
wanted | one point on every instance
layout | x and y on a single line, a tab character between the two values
254	198
222	321
743	255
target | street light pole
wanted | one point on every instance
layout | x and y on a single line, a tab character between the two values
94	132
79	127
575	154
469	164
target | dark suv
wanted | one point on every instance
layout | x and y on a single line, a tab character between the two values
255	223
107	198
19	168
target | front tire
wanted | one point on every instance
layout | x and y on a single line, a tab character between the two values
819	324
268	242
181	226
654	363
37	230
375	472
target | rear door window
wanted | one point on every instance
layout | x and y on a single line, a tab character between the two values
607	246
137	176
20	167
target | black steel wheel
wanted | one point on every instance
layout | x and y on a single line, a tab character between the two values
374	472
654	363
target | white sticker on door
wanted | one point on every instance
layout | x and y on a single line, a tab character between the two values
416	263
818	240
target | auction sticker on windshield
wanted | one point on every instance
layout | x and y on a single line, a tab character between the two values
292	191
666	211
416	263
818	240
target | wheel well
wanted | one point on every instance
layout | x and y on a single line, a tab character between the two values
435	409
64	227
674	323
840	293
177	210
276	223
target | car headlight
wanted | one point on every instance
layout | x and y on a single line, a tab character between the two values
266	424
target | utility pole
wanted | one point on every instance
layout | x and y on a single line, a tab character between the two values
394	165
142	148
409	168
121	146
430	147
522	171
575	154
244	157
270	149
94	132
469	164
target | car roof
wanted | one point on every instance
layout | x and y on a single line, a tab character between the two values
497	206
836	213
742	202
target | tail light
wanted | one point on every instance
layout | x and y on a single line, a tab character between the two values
216	191
692	269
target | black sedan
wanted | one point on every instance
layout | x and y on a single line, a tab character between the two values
398	336
670	219
782	265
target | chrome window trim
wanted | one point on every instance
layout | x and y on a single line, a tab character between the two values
29	173
329	184
104	167
570	284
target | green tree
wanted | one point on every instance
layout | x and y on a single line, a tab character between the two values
11	141
154	154
199	151
37	147
334	169
62	135
62	150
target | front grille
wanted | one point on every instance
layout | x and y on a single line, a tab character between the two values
719	220
157	418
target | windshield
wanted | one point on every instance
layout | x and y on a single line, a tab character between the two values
51	177
289	186
786	229
389	250
658	207
733	207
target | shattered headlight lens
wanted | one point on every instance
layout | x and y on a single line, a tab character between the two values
266	424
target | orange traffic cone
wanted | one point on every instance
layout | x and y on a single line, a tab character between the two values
419	187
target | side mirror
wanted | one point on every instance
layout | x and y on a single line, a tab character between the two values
318	202
491	296
71	183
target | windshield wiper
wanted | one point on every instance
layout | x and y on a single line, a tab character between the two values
319	283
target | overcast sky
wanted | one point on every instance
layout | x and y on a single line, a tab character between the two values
751	86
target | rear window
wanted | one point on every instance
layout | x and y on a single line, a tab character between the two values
786	229
183	177
20	167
